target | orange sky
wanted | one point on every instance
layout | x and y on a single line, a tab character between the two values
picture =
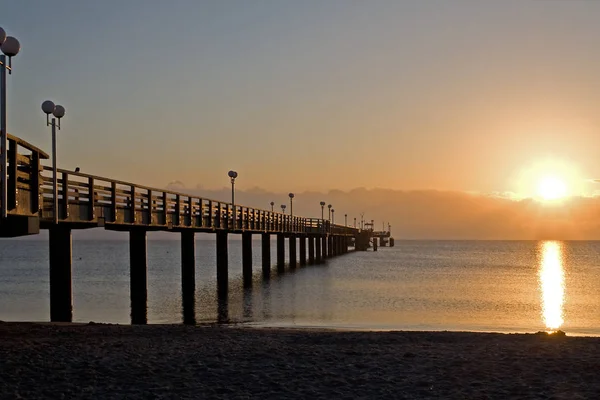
447	95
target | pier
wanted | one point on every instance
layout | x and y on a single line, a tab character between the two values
85	201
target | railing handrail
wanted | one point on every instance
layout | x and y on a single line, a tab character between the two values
28	146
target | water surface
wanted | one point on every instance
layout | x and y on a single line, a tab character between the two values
507	286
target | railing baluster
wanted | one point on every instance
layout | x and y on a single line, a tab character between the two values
177	219
64	206
132	205
13	167
36	203
191	210
165	207
149	206
91	200
113	200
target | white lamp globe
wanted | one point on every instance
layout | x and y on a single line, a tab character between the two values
11	46
2	35
48	107
59	111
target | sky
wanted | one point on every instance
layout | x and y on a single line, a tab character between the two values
465	97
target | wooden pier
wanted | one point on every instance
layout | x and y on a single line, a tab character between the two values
88	201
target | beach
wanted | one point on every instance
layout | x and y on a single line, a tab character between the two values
42	360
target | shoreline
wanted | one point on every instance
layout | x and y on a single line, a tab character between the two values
50	360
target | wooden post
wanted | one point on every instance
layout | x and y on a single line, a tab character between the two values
280	252
318	250
13	168
61	293
222	264
266	255
64	206
302	249
113	200
92	200
247	258
330	246
324	244
188	276
311	249
35	182
293	256
138	275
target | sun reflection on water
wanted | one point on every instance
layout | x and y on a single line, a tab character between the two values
552	284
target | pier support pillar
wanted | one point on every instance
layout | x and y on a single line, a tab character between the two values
311	250
61	292
293	255
318	250
188	276
247	258
280	252
330	246
222	265
374	244
138	275
325	247
266	255
302	250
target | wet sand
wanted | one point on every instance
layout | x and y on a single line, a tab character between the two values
172	361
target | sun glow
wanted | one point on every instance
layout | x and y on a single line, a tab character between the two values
550	181
551	188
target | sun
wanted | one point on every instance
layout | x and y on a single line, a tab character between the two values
552	188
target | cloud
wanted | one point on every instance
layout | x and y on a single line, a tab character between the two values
435	214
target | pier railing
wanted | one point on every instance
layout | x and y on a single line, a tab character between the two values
89	199
23	183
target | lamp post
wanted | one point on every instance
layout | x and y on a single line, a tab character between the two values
322	208
345	219
291	195
272	204
232	175
10	47
354	222
48	107
329	207
332	216
283	208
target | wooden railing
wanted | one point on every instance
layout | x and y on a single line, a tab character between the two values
24	171
84	198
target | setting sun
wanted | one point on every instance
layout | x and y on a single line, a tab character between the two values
551	188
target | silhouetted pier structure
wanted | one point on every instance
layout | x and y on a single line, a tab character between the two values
86	201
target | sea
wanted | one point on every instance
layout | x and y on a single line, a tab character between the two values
488	286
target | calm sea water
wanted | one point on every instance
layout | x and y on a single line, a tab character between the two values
507	286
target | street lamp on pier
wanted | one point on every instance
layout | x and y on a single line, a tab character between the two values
345	219
48	107
322	208
291	204
10	47
329	207
332	216
232	175
354	222
272	204
283	208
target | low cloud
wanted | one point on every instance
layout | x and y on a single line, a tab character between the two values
433	214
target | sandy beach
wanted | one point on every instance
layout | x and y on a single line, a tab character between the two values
171	361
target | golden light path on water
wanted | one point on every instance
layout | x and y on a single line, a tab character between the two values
552	284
